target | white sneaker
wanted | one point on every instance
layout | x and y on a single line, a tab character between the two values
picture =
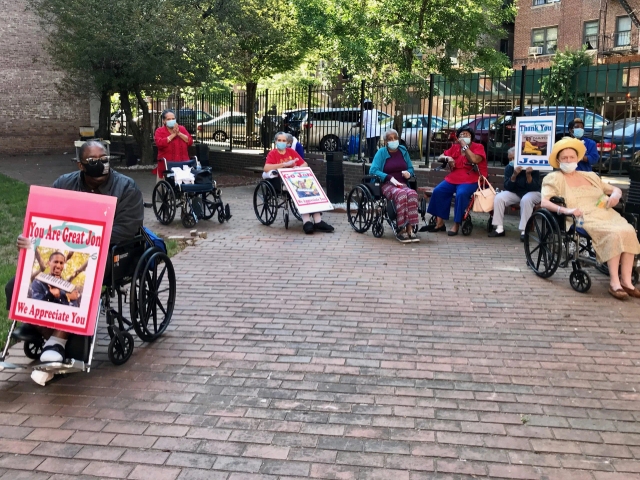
40	377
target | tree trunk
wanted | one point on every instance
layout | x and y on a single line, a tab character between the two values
104	117
142	135
252	87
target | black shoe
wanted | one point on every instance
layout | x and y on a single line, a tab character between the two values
323	226
434	228
522	235
496	234
453	233
308	228
52	353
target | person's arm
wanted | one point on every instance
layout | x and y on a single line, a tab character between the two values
474	157
129	214
509	177
534	184
300	150
410	169
162	137
550	189
377	166
185	136
271	160
40	291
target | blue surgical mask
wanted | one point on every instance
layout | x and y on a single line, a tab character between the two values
281	145
171	123
393	144
578	132
466	140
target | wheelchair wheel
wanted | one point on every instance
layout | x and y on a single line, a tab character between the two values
490	224
209	205
422	207
467	226
188	218
164	202
359	209
221	216
543	244
377	228
265	203
119	351
134	287
156	296
433	221
33	350
294	209
580	281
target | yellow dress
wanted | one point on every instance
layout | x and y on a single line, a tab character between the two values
610	232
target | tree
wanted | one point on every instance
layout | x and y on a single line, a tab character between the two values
559	87
130	47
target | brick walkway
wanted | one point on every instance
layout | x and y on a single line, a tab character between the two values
348	357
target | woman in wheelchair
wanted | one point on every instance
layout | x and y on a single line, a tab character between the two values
462	157
586	197
393	167
283	157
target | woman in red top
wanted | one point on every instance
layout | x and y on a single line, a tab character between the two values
172	141
283	157
462	180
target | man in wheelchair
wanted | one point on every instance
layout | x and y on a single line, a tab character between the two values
94	175
590	202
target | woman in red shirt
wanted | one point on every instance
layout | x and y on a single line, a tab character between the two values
462	180
283	157
172	141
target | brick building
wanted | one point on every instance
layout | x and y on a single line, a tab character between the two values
34	116
609	28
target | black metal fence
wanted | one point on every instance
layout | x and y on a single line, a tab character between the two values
427	114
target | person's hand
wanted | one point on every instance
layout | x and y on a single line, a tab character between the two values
576	212
289	163
55	292
73	296
613	201
406	174
517	171
176	129
394	182
451	162
529	170
23	242
462	142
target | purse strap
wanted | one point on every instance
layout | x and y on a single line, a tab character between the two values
484	183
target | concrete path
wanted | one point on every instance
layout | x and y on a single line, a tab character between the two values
342	356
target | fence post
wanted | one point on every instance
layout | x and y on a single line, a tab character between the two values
427	162
266	137
231	121
362	84
522	87
307	133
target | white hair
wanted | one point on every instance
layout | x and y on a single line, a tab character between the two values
389	132
512	151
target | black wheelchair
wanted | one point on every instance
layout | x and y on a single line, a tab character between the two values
549	245
200	200
270	196
138	272
368	208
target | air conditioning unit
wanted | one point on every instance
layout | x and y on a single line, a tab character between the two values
454	60
535	50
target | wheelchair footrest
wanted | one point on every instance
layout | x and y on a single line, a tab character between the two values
68	366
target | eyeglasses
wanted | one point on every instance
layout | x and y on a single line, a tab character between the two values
94	161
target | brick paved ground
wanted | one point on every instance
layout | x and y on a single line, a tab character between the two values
348	357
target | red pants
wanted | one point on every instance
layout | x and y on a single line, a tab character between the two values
406	201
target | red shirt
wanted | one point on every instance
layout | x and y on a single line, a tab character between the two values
274	157
174	151
463	171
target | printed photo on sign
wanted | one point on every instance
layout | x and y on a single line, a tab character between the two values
305	190
534	141
58	276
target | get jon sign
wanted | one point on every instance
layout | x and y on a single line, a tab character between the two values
59	278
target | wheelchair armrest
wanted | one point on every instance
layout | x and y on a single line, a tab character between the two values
412	182
558	201
368	178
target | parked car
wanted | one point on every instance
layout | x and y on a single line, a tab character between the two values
190	118
292	121
444	138
619	144
411	126
502	134
329	129
226	126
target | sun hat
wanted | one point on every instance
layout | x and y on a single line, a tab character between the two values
566	142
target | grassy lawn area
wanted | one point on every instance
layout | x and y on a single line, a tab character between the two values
13	204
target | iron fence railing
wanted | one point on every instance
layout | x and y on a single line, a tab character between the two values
427	113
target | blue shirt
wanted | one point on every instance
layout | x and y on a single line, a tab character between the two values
592	156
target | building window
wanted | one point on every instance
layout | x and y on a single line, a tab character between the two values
590	35
543	2
547	38
623	32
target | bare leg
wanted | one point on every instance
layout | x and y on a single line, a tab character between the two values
306	217
317	218
614	280
626	268
456	227
439	222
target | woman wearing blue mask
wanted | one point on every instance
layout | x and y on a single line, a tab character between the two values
284	157
576	130
393	167
173	142
463	180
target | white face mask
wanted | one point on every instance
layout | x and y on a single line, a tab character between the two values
568	167
466	140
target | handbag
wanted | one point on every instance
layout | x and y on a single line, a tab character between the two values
484	196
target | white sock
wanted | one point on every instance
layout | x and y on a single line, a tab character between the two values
55	341
499	228
52	355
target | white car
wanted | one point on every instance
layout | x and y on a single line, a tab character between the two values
226	126
411	126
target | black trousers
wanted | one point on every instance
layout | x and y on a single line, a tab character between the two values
372	147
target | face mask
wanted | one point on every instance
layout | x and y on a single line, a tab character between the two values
466	140
281	145
511	163
578	132
171	123
393	144
96	169
568	167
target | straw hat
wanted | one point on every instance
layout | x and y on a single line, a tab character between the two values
566	142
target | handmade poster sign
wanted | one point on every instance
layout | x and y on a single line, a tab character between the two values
305	190
58	280
534	140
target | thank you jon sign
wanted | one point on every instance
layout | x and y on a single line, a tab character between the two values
534	140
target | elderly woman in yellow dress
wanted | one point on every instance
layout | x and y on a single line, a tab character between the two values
614	239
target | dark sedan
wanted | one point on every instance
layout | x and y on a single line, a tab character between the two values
480	124
619	144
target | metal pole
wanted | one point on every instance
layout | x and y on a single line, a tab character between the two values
427	162
361	115
267	136
231	121
307	133
522	88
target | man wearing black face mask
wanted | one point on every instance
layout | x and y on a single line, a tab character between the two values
94	176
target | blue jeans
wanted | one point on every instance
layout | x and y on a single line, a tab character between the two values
440	203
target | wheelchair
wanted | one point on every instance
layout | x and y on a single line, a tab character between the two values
549	245
139	273
270	196
197	201
368	208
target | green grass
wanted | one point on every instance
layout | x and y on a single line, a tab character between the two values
13	204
